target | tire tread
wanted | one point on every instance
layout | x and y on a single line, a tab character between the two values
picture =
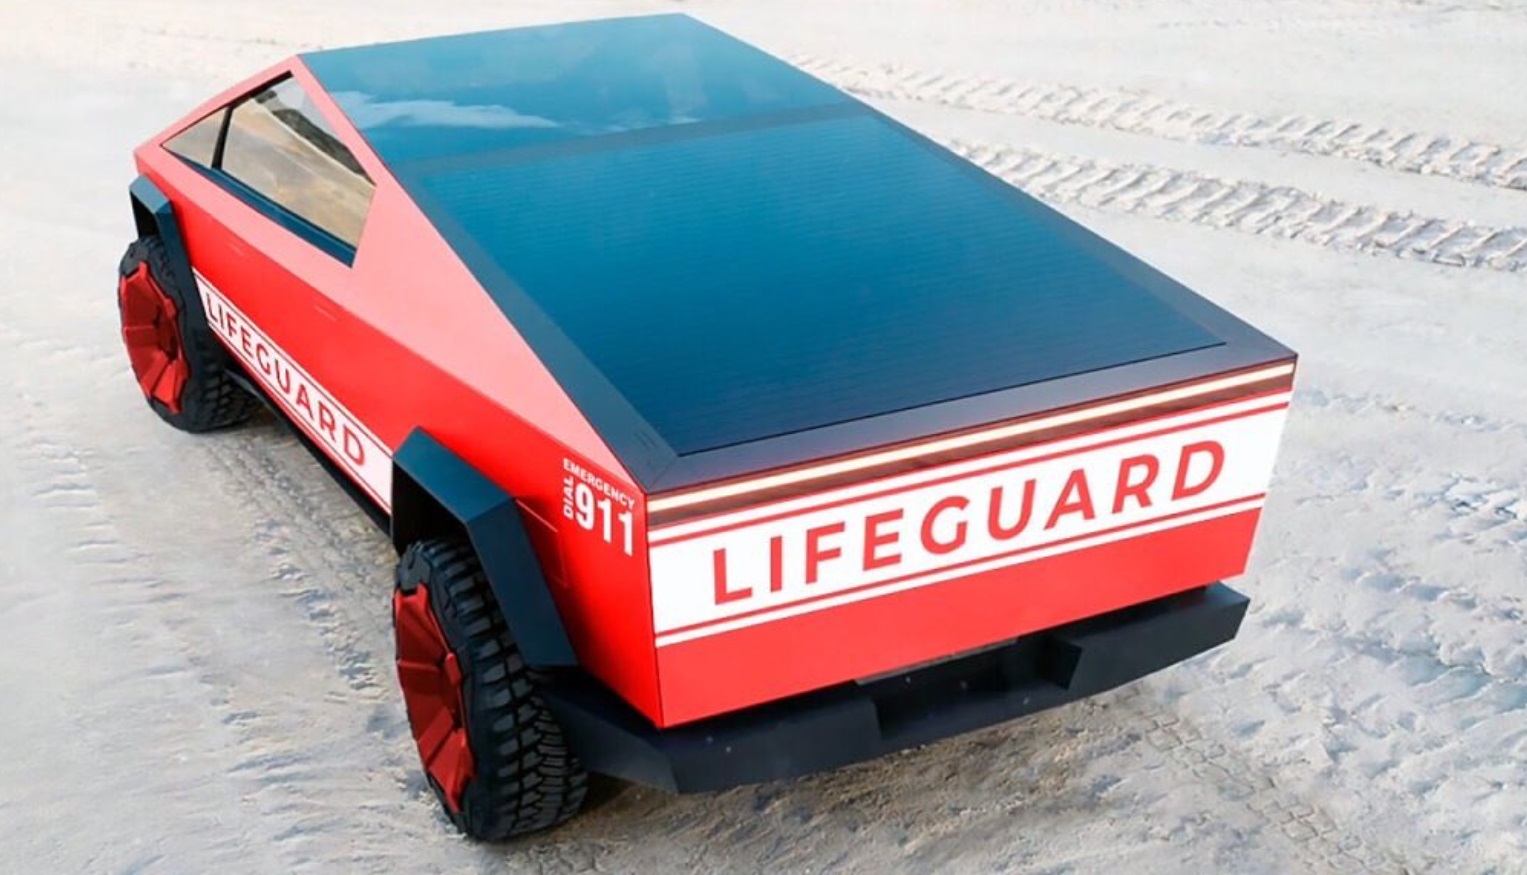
211	400
526	777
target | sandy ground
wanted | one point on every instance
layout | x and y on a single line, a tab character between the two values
194	665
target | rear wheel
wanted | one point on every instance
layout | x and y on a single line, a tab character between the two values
179	366
492	751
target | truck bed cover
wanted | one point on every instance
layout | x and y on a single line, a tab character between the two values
734	267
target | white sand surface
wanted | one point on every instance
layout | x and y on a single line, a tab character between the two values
194	643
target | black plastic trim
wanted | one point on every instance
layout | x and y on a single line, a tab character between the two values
491	520
850	722
154	214
148	198
222	132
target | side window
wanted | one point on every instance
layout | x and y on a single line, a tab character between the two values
198	143
280	147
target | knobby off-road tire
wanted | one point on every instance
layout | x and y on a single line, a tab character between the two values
198	395
503	768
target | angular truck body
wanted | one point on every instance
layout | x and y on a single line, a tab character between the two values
783	435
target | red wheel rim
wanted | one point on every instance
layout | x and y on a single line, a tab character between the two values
431	682
152	336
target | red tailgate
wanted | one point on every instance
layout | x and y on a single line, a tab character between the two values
782	597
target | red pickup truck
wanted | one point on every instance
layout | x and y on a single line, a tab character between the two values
727	429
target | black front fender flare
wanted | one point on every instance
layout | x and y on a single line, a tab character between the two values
154	215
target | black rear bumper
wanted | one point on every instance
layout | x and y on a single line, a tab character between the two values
850	722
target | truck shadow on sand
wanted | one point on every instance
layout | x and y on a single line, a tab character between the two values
973	798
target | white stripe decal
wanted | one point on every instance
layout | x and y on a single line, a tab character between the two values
941	577
342	436
912	530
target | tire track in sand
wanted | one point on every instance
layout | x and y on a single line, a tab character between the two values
130	585
1311	832
1135	112
315	561
1280	211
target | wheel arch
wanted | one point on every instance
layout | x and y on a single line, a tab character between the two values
435	493
154	215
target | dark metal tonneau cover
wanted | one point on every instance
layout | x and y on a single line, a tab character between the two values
731	266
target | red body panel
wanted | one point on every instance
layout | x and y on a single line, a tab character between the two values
757	663
787	596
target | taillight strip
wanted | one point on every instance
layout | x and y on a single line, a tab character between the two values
879	488
695	500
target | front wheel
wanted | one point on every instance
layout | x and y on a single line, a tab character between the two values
178	364
492	751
